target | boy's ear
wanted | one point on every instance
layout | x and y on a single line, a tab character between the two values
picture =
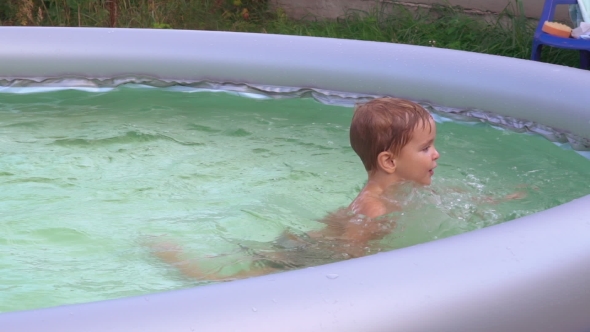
386	161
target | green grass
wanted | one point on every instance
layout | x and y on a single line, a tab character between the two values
508	34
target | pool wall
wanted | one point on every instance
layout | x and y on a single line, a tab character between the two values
529	274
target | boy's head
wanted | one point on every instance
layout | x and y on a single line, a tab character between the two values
384	124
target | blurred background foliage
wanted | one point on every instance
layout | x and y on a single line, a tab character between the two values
179	14
508	33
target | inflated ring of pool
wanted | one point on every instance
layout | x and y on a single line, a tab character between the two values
528	274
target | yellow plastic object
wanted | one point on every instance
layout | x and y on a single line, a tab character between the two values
557	29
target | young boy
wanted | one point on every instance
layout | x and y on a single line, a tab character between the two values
394	139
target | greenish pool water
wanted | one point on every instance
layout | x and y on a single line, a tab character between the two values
86	179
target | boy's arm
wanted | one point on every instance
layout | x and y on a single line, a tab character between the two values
506	198
361	232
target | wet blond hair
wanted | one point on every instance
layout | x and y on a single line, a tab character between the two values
384	124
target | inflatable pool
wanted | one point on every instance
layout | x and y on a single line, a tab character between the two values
528	274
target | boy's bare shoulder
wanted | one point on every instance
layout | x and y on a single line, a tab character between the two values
369	206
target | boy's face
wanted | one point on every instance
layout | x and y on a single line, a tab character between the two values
417	159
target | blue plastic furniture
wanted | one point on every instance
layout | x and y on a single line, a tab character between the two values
541	38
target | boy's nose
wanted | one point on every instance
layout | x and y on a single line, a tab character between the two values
436	154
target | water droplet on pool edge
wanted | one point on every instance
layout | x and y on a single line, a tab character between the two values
332	276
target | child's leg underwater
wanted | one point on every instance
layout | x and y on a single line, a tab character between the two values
172	254
287	252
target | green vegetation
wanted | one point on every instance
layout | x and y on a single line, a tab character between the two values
508	34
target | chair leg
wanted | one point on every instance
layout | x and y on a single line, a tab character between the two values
584	59
537	49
